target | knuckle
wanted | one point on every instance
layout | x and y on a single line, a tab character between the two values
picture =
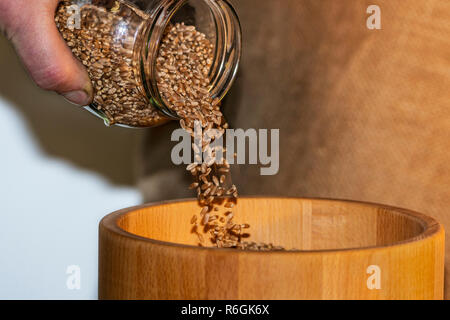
52	78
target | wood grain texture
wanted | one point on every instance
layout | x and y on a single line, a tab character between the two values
363	114
148	252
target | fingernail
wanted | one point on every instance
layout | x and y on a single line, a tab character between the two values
79	97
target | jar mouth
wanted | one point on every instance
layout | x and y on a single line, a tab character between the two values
223	30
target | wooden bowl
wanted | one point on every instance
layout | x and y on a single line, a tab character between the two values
344	250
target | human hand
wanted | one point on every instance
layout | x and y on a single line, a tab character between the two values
31	27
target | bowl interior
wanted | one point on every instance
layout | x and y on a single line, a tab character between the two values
301	224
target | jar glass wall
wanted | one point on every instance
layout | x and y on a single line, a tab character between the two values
118	42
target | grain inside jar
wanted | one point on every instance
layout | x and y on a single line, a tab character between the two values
104	43
108	54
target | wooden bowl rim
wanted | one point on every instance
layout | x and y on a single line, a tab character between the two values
431	227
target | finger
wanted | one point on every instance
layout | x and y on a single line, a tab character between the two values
46	56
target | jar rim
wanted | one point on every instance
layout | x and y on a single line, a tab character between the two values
227	57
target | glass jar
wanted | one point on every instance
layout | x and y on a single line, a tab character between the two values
119	40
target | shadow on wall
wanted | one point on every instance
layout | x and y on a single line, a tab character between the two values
67	132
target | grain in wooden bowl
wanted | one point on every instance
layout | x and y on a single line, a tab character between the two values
343	250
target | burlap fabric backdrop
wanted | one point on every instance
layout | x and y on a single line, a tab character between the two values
364	114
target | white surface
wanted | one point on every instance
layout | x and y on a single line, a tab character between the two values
49	212
61	171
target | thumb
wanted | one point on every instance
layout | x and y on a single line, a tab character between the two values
46	56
